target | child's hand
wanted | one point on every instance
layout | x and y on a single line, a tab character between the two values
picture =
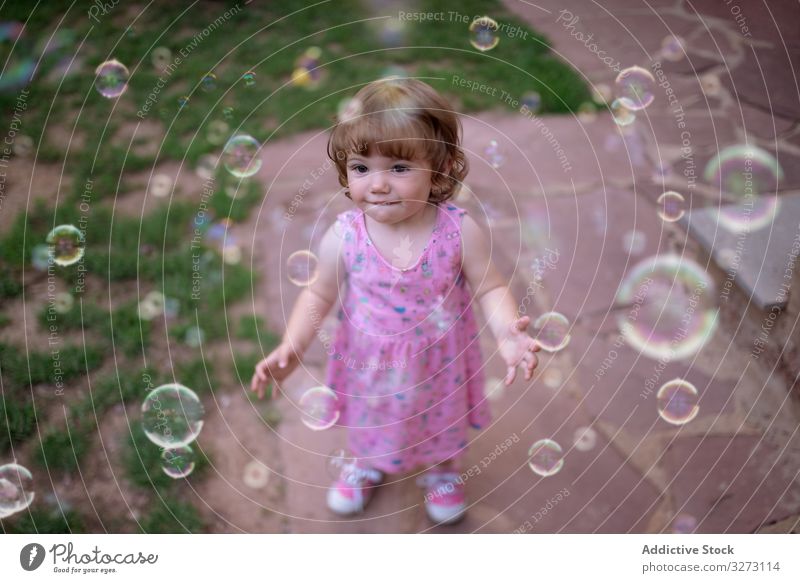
278	365
518	348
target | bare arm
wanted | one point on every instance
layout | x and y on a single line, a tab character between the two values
488	286
316	300
498	304
310	309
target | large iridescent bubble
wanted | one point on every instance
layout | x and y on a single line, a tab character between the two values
320	408
670	307
66	245
545	457
111	79
172	416
743	171
749	176
16	489
240	156
635	88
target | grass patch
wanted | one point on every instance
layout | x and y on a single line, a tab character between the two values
40	521
172	516
142	461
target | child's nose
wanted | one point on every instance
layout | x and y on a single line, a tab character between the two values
379	181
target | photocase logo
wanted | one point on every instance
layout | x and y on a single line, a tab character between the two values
31	556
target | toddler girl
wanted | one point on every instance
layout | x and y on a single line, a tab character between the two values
406	361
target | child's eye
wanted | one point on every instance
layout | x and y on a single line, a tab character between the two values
358	168
400	168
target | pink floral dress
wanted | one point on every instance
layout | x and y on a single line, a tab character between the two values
406	360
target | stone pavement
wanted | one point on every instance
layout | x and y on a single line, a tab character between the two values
734	468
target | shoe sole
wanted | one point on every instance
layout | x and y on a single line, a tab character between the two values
444	517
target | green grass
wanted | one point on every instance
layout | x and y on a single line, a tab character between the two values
198	375
142	461
17	420
61	450
171	516
40	521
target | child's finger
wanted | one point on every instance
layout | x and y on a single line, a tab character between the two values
260	372
511	375
522	323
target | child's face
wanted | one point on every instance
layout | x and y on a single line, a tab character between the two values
389	190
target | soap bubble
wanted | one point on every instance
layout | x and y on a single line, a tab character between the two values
494	388
532	101
111	79
40	257
553	378
182	101
494	154
338	463
256	475
622	115
160	185
634	242
483	34
194	336
749	217
22	146
673	313
601	94
742	171
227	113
392	33
585	438
587	112
63	302
301	268
206	166
178	462
172	416
320	408
161	57
684	524
670	206
635	88
209	82
66	245
240	156
710	84
249	78
171	307
217	132
16	489
677	402
672	48
348	109
553	331
545	457
152	305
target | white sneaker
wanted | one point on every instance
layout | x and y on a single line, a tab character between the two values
445	500
353	490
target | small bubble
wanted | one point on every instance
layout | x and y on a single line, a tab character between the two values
111	79
483	34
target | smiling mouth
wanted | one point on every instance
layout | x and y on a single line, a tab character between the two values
386	203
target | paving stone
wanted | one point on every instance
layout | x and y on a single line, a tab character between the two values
764	254
732	484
